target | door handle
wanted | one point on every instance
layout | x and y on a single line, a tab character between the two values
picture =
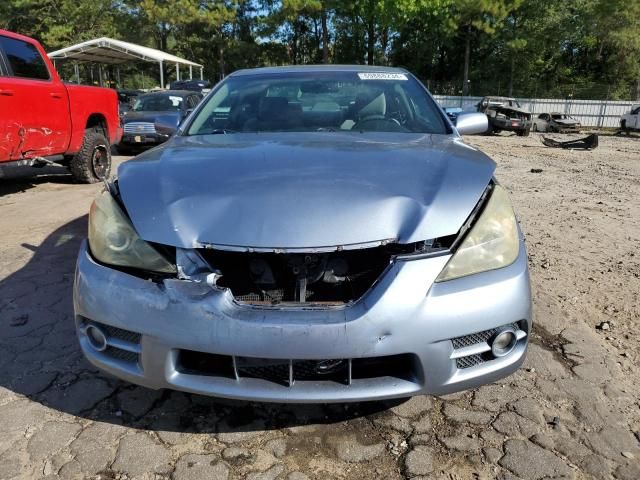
55	95
6	93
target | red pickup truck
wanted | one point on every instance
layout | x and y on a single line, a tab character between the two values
44	121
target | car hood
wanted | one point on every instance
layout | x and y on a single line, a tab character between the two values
565	121
169	119
303	190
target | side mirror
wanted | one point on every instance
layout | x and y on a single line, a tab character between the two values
472	123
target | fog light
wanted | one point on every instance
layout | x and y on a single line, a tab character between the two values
96	338
504	342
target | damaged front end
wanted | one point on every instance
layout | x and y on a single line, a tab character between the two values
336	278
504	118
327	277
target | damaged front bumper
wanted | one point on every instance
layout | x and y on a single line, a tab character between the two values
406	336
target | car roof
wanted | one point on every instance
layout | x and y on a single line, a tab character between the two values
316	68
175	93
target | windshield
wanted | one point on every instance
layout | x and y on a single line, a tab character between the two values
158	103
319	101
560	117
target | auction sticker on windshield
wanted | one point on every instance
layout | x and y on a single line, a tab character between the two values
382	76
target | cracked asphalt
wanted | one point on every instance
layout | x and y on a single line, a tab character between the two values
572	411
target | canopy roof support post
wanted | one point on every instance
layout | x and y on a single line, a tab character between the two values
118	77
190	72
201	73
177	71
100	75
161	76
77	71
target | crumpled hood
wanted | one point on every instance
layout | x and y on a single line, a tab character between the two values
303	190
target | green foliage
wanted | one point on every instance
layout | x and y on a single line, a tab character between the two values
579	48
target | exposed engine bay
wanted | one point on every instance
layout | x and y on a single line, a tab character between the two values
333	278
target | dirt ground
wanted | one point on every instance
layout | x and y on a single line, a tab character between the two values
572	411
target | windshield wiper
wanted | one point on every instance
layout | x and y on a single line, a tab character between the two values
220	131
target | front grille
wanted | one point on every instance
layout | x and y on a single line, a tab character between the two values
470	361
286	372
478	339
473	339
139	127
121	334
123	355
122	345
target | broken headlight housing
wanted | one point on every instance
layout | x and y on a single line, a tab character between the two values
490	244
114	241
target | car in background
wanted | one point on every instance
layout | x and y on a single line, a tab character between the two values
154	117
309	234
505	113
44	121
555	122
126	99
452	113
631	120
202	86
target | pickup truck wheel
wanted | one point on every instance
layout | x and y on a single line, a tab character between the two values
93	162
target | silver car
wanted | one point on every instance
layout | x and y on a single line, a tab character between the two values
310	234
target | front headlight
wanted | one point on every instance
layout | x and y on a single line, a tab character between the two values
492	242
114	241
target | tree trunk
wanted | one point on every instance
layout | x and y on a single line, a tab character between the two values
221	61
513	63
467	54
371	32
325	37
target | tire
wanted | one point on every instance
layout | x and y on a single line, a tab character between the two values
93	162
623	126
534	128
489	130
523	133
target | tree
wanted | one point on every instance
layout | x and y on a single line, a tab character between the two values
479	16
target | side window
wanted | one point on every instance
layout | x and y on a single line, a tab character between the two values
635	111
24	59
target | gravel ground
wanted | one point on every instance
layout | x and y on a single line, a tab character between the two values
571	412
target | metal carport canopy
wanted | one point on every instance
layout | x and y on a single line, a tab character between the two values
115	52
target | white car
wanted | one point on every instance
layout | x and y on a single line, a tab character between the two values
631	120
555	122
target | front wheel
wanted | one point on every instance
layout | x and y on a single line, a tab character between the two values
93	162
623	126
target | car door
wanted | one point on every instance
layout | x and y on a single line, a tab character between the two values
37	113
635	118
9	139
542	122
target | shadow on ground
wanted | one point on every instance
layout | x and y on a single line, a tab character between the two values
21	180
40	358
